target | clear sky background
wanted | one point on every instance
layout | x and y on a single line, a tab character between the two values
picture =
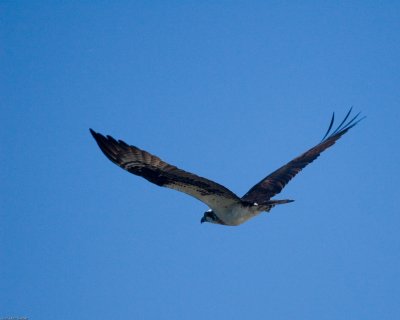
230	90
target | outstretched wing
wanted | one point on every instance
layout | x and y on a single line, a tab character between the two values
155	170
276	181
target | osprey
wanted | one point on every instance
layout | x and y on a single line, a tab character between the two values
226	208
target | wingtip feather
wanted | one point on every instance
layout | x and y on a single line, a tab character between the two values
344	126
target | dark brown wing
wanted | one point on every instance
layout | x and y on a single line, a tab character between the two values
276	181
153	169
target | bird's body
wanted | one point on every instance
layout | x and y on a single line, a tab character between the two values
241	211
237	213
226	208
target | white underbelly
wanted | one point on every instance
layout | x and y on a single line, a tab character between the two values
237	214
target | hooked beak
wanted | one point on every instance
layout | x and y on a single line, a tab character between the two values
202	220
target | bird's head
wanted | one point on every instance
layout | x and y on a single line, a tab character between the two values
209	216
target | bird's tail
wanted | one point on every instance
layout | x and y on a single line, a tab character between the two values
272	203
275	202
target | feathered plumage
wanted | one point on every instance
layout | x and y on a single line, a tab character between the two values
226	207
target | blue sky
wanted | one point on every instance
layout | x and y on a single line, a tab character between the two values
230	91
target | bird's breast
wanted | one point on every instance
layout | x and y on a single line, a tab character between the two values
237	214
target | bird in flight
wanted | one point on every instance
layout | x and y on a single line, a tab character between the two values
226	208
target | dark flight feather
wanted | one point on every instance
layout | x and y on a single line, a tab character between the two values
276	181
159	172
